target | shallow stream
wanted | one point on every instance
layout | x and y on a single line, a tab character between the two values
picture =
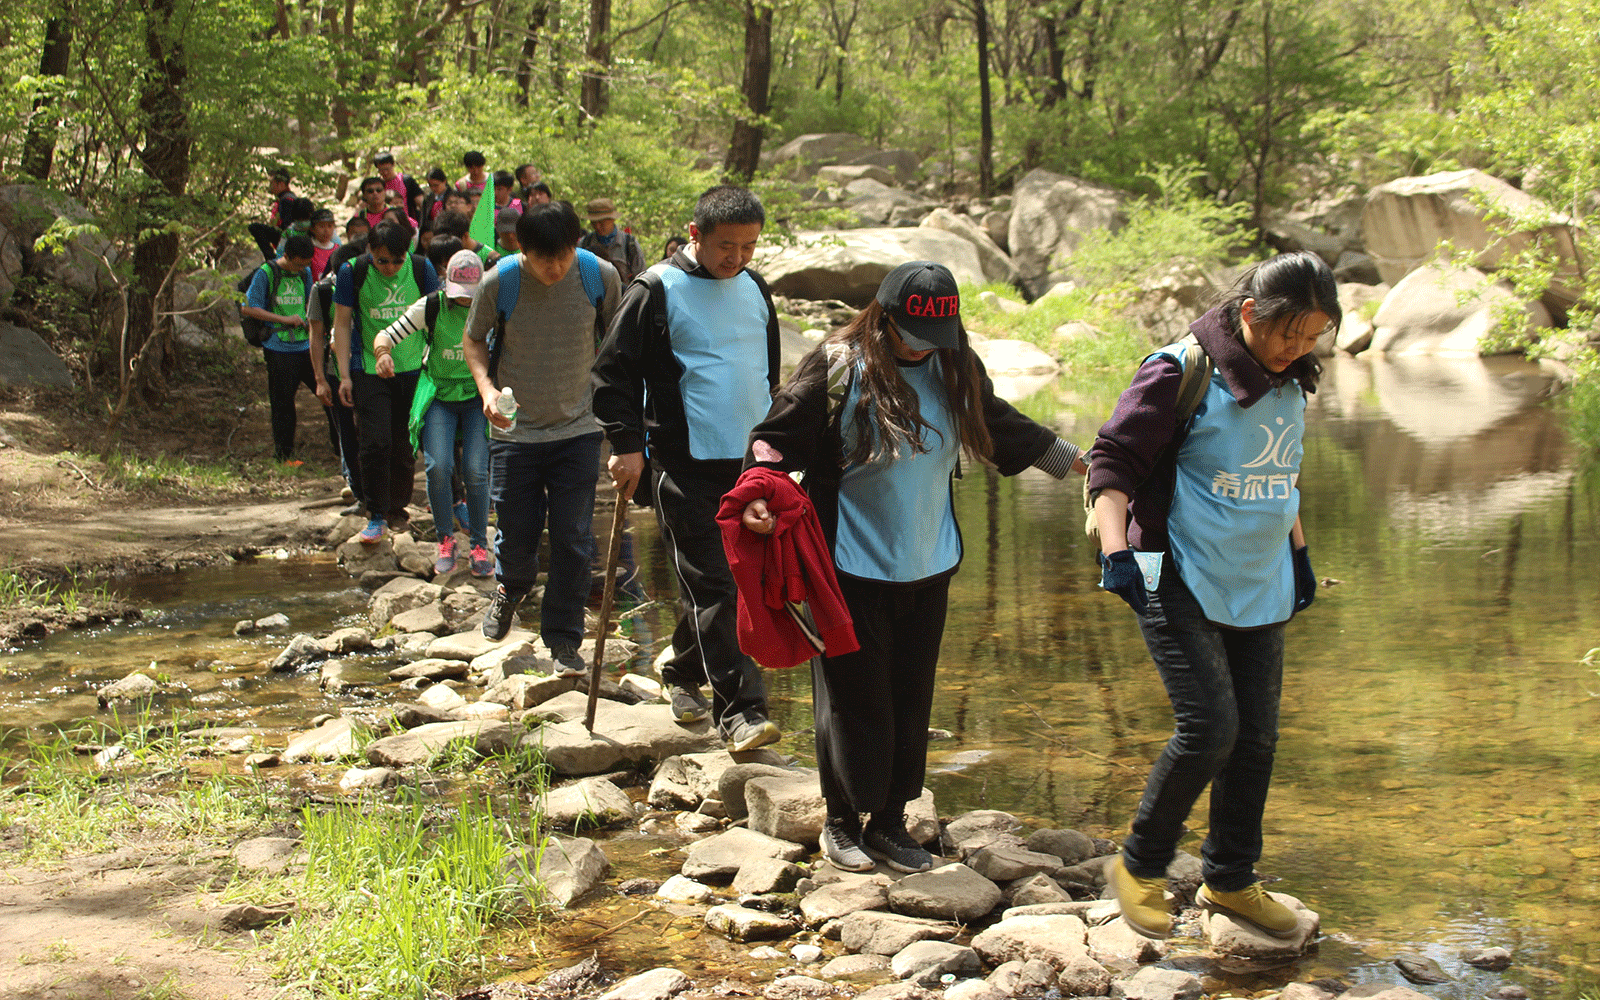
1439	769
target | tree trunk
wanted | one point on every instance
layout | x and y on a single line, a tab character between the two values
530	47
596	91
39	148
164	157
744	149
980	14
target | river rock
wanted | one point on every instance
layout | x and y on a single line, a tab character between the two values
974	989
1088	876
880	933
682	889
1082	976
767	875
1243	940
410	715
854	967
657	984
926	961
1507	991
593	802
1155	983
797	988
952	892
1071	846
719	858
471	644
520	692
978	823
256	760
483	710
302	650
1420	969
332	740
500	657
25	359
996	264
433	668
898	991
669	787
268	854
789	808
1405	219
1030	977
732	781
441	696
1493	959
134	687
806	154
272	623
1091	911
1055	940
739	923
1035	889
249	917
569	868
1003	358
847	895
1385	991
420	745
642	687
26	212
841	176
331	677
400	595
1050	214
1116	941
368	563
850	265
346	640
1304	991
429	618
1357	305
806	954
1004	862
1443	311
638	734
365	778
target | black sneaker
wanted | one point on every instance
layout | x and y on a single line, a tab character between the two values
497	620
568	662
896	849
842	848
689	705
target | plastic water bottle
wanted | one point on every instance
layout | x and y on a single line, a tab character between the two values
506	406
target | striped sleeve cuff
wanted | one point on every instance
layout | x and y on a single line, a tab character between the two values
1058	458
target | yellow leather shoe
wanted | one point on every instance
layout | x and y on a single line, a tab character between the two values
1253	905
1143	900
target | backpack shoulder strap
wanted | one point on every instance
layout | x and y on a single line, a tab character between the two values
841	369
509	288
774	348
358	273
658	296
594	289
274	279
1197	369
419	269
430	312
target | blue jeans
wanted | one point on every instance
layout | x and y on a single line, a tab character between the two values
533	482
1224	685
439	426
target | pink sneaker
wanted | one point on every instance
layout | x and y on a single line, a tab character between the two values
482	564
447	556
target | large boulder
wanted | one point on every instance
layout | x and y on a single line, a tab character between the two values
1058	940
850	265
25	359
789	808
421	745
843	176
1049	215
641	735
332	740
807	153
1358	303
875	204
951	892
719	858
26	212
569	868
400	595
1444	311
1405	220
996	265
590	802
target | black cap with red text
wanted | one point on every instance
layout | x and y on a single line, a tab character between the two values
925	304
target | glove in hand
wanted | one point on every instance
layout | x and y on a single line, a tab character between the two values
1305	580
1120	574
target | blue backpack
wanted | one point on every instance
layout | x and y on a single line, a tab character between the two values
510	287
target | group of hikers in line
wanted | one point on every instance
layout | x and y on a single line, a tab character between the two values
812	519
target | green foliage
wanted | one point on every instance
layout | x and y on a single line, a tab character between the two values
1581	402
1177	230
22	590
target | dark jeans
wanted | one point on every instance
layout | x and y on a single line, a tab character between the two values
342	431
533	483
872	706
1225	685
287	371
388	463
705	645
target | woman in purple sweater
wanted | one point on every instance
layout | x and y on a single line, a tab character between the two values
1198	510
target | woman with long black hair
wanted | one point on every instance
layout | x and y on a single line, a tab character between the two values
1198	508
876	418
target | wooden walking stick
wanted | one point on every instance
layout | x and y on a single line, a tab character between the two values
612	550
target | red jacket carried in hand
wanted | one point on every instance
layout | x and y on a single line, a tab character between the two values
778	571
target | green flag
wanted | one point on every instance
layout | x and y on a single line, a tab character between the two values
482	228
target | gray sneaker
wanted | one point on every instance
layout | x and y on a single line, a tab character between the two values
896	849
689	705
749	735
841	848
568	663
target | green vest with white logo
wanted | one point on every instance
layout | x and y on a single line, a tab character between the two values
381	301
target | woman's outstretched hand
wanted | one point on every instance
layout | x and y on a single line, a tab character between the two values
758	519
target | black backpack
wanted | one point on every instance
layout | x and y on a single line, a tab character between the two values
256	331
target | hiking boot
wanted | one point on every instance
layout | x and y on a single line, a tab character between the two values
1253	905
568	663
896	848
841	847
1143	900
688	704
461	516
373	532
482	564
750	734
447	556
497	620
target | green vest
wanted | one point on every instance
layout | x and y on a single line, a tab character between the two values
447	362
289	301
381	301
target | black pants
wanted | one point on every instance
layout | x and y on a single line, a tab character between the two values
286	373
388	464
705	645
266	238
872	706
346	442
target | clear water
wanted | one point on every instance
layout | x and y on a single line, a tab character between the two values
1439	770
